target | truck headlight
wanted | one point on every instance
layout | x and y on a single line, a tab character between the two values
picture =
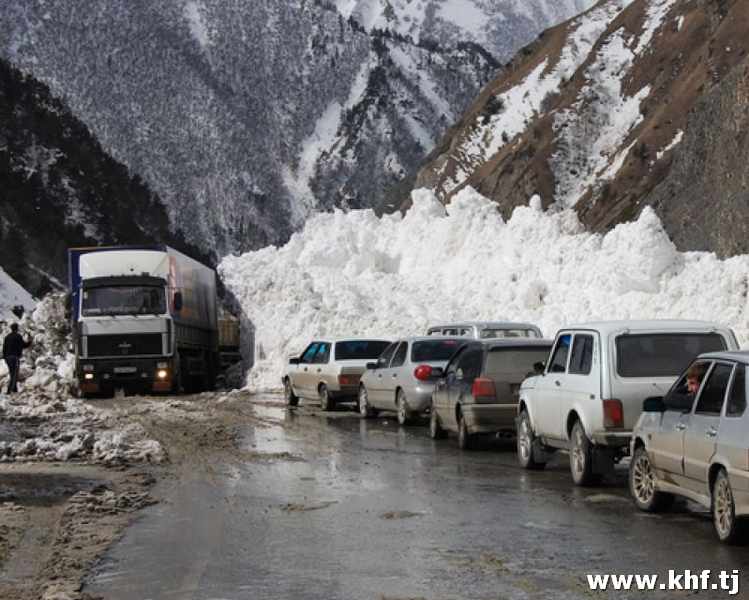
162	373
88	376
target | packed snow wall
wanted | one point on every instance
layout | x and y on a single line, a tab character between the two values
354	274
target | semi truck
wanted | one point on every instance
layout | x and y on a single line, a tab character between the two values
144	320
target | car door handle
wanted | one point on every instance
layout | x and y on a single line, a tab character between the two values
305	368
680	427
557	382
319	370
711	433
394	376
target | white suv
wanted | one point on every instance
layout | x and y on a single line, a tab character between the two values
589	395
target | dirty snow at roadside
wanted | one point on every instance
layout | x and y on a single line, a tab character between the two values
12	294
355	274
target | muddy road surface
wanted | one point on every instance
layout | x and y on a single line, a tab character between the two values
312	505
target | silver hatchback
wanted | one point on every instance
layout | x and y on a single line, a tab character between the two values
693	443
394	383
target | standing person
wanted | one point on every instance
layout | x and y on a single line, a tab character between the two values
13	347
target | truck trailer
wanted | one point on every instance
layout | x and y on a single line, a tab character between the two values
144	320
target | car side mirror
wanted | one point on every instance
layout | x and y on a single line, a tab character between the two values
654	404
294	361
177	301
539	368
372	366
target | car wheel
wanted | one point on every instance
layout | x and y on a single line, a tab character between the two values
642	484
326	402
526	440
365	409
730	529
291	398
465	439
435	428
404	415
581	457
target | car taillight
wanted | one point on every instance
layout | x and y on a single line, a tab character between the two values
613	414
348	379
483	388
423	372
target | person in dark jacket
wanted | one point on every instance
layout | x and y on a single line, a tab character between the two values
13	347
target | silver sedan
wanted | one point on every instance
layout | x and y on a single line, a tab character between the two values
399	381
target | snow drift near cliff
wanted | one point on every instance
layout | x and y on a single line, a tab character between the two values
355	274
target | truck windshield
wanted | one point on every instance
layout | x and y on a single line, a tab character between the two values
662	355
123	300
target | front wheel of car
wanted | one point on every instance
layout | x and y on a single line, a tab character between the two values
404	414
526	440
730	529
435	427
326	402
642	484
581	457
365	408
291	398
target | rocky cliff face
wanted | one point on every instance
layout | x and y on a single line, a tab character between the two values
246	116
635	102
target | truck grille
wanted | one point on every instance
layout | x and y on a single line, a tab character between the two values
124	345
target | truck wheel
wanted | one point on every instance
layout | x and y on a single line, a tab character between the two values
435	428
526	441
642	484
404	415
465	439
581	457
730	529
291	398
326	402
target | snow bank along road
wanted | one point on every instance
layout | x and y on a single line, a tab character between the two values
352	274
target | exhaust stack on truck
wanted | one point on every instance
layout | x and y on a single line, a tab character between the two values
144	320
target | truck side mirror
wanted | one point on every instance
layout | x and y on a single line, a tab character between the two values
177	301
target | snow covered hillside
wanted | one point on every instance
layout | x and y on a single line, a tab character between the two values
12	294
596	112
246	116
356	274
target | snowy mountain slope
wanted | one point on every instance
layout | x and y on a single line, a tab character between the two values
592	115
12	294
246	116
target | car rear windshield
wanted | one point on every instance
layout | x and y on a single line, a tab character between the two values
359	349
490	334
662	355
514	364
437	350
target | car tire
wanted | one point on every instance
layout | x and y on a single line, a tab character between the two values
581	457
291	398
730	528
465	439
326	402
404	415
435	427
642	481
365	408
526	441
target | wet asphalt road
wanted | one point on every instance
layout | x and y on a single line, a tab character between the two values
338	507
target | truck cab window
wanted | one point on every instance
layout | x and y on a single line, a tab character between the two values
123	300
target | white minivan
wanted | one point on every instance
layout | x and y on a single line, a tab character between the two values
588	396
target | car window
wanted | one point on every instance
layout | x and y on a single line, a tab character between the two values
451	331
514	364
322	356
662	354
384	359
490	334
465	331
310	352
400	355
434	332
359	349
558	362
452	366
582	354
469	365
679	398
434	350
713	392
737	397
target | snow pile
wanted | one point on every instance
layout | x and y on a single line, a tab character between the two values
12	294
52	427
356	274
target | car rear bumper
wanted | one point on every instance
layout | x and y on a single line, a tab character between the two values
615	439
489	418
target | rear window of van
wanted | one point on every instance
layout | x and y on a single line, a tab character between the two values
662	354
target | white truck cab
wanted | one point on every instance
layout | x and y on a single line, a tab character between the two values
588	396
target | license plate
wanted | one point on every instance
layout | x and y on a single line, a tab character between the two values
125	369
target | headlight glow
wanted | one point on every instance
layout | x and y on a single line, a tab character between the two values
88	376
161	374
